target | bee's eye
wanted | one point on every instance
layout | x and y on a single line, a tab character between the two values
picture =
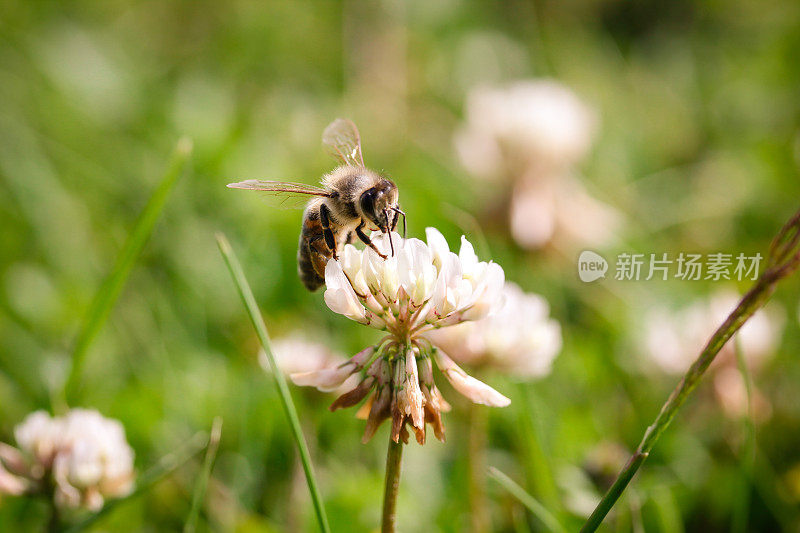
368	202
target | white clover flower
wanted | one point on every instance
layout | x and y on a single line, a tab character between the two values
731	392
673	339
329	379
529	123
531	135
84	455
559	211
13	469
39	435
420	288
518	337
297	356
95	460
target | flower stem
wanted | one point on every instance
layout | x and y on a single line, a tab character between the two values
54	523
784	259
478	421
394	459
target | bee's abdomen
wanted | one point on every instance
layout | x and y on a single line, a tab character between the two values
305	266
311	260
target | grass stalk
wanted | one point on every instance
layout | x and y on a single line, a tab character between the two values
205	474
479	510
783	260
109	291
741	511
537	464
534	506
280	381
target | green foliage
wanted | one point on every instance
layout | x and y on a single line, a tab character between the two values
697	145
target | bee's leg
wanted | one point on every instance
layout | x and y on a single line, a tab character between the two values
366	240
351	237
324	218
397	213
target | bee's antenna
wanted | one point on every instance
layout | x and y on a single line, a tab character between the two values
400	212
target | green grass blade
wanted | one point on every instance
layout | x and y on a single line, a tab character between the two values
202	482
166	466
540	475
280	381
667	510
533	505
741	510
106	296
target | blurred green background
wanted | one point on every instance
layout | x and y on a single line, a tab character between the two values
697	147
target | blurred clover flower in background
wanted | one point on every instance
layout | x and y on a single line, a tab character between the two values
518	338
296	355
82	455
529	136
420	288
672	340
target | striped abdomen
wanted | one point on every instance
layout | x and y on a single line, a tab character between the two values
312	252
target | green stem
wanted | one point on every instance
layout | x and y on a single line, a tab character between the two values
54	523
280	381
539	473
478	421
202	481
534	506
741	511
394	458
783	260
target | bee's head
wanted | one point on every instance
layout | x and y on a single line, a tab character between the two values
378	205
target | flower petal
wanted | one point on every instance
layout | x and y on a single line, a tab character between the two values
340	296
437	245
475	390
330	379
467	255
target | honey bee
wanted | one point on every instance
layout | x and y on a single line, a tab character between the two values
352	198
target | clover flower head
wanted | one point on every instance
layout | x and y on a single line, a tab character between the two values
83	455
422	287
518	338
673	338
296	356
529	122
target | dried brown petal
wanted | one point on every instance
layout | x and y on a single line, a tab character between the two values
379	412
404	434
366	407
434	418
352	397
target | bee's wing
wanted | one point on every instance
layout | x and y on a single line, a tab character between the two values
286	194
344	142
